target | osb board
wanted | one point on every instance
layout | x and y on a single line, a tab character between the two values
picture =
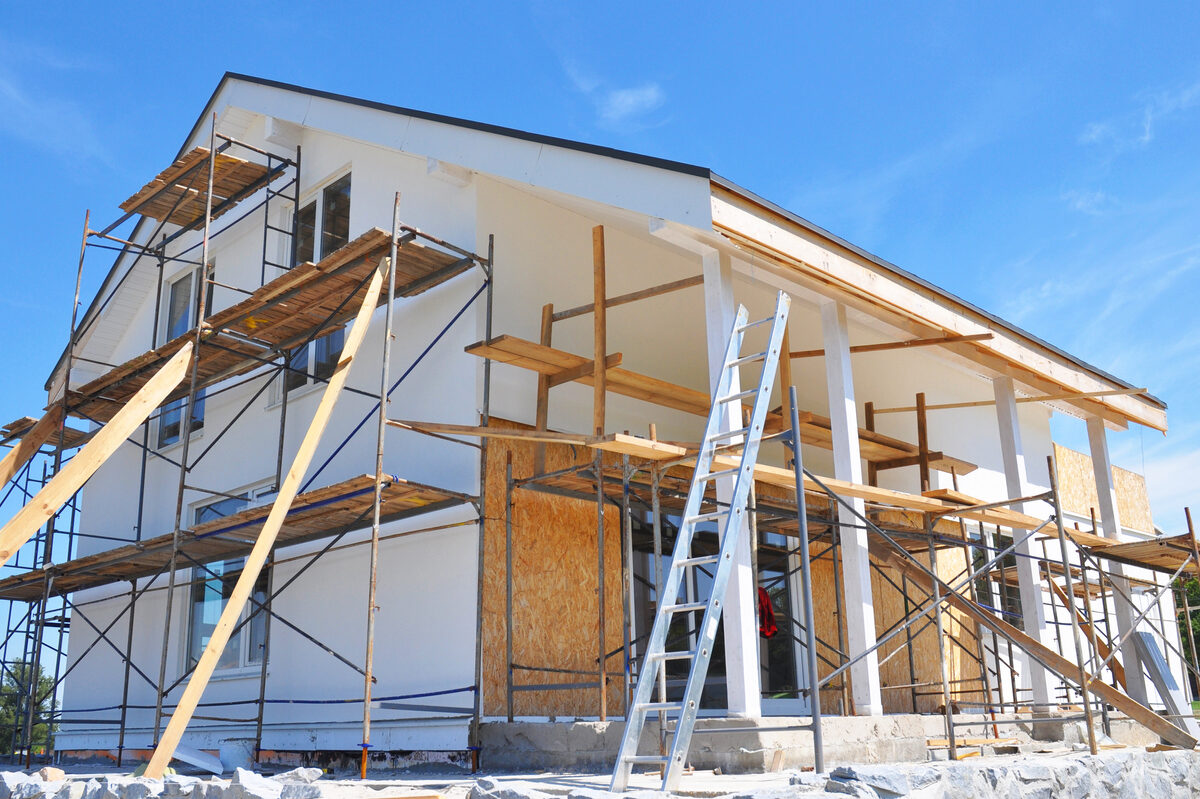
555	612
960	666
1077	490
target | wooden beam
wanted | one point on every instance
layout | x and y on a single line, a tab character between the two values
543	436
76	472
599	332
266	538
583	370
632	296
896	345
1102	648
1052	660
542	414
31	442
908	460
986	403
923	441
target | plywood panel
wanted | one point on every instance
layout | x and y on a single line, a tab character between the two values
555	613
1077	490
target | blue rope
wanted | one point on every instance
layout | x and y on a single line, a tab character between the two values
395	385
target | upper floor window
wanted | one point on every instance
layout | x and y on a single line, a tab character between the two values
180	314
323	224
314	362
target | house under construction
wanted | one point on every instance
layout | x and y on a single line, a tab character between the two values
388	433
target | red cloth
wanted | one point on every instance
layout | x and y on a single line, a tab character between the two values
766	615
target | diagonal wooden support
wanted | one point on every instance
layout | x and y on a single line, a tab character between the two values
31	442
253	566
1089	634
77	471
1051	659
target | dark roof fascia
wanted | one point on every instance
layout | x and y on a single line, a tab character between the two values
888	266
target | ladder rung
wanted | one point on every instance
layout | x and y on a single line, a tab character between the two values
706	517
741	431
640	759
740	395
719	474
685	607
758	356
756	323
680	655
697	561
660	706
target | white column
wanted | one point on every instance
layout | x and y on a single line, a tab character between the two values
1110	519
742	683
847	465
1033	609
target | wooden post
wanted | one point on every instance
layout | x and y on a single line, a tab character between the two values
869	423
542	419
599	332
923	441
63	486
266	538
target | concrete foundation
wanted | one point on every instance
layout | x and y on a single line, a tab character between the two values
740	746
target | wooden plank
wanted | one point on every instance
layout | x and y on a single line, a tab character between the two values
1118	392
639	447
490	432
31	442
581	371
1091	636
632	296
76	472
897	345
599	332
1051	659
258	555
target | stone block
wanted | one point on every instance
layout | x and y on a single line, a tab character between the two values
488	788
72	789
306	775
52	774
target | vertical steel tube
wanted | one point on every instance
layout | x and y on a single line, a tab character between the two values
1095	657
485	415
814	692
265	658
835	532
1084	677
185	428
627	582
125	681
376	511
908	636
660	669
508	580
941	638
598	467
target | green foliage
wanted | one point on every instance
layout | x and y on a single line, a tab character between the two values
14	697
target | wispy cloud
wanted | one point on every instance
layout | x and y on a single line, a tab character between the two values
622	109
1137	127
34	114
1093	202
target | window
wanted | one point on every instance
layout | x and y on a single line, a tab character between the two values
211	590
313	363
179	316
329	213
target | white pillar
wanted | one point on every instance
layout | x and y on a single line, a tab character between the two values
742	684
1033	609
847	465
1110	519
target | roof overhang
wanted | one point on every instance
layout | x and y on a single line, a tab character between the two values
777	240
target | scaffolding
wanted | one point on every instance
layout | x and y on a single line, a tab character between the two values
248	344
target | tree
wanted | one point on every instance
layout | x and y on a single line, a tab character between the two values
14	701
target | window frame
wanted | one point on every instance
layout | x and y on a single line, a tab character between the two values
247	663
316	199
176	406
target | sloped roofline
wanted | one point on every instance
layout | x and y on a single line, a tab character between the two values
623	155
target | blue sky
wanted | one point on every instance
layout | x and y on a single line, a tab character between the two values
1040	160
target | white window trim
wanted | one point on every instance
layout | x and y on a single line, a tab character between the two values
314	194
164	327
245	668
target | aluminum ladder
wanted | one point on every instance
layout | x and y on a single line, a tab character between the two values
730	518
